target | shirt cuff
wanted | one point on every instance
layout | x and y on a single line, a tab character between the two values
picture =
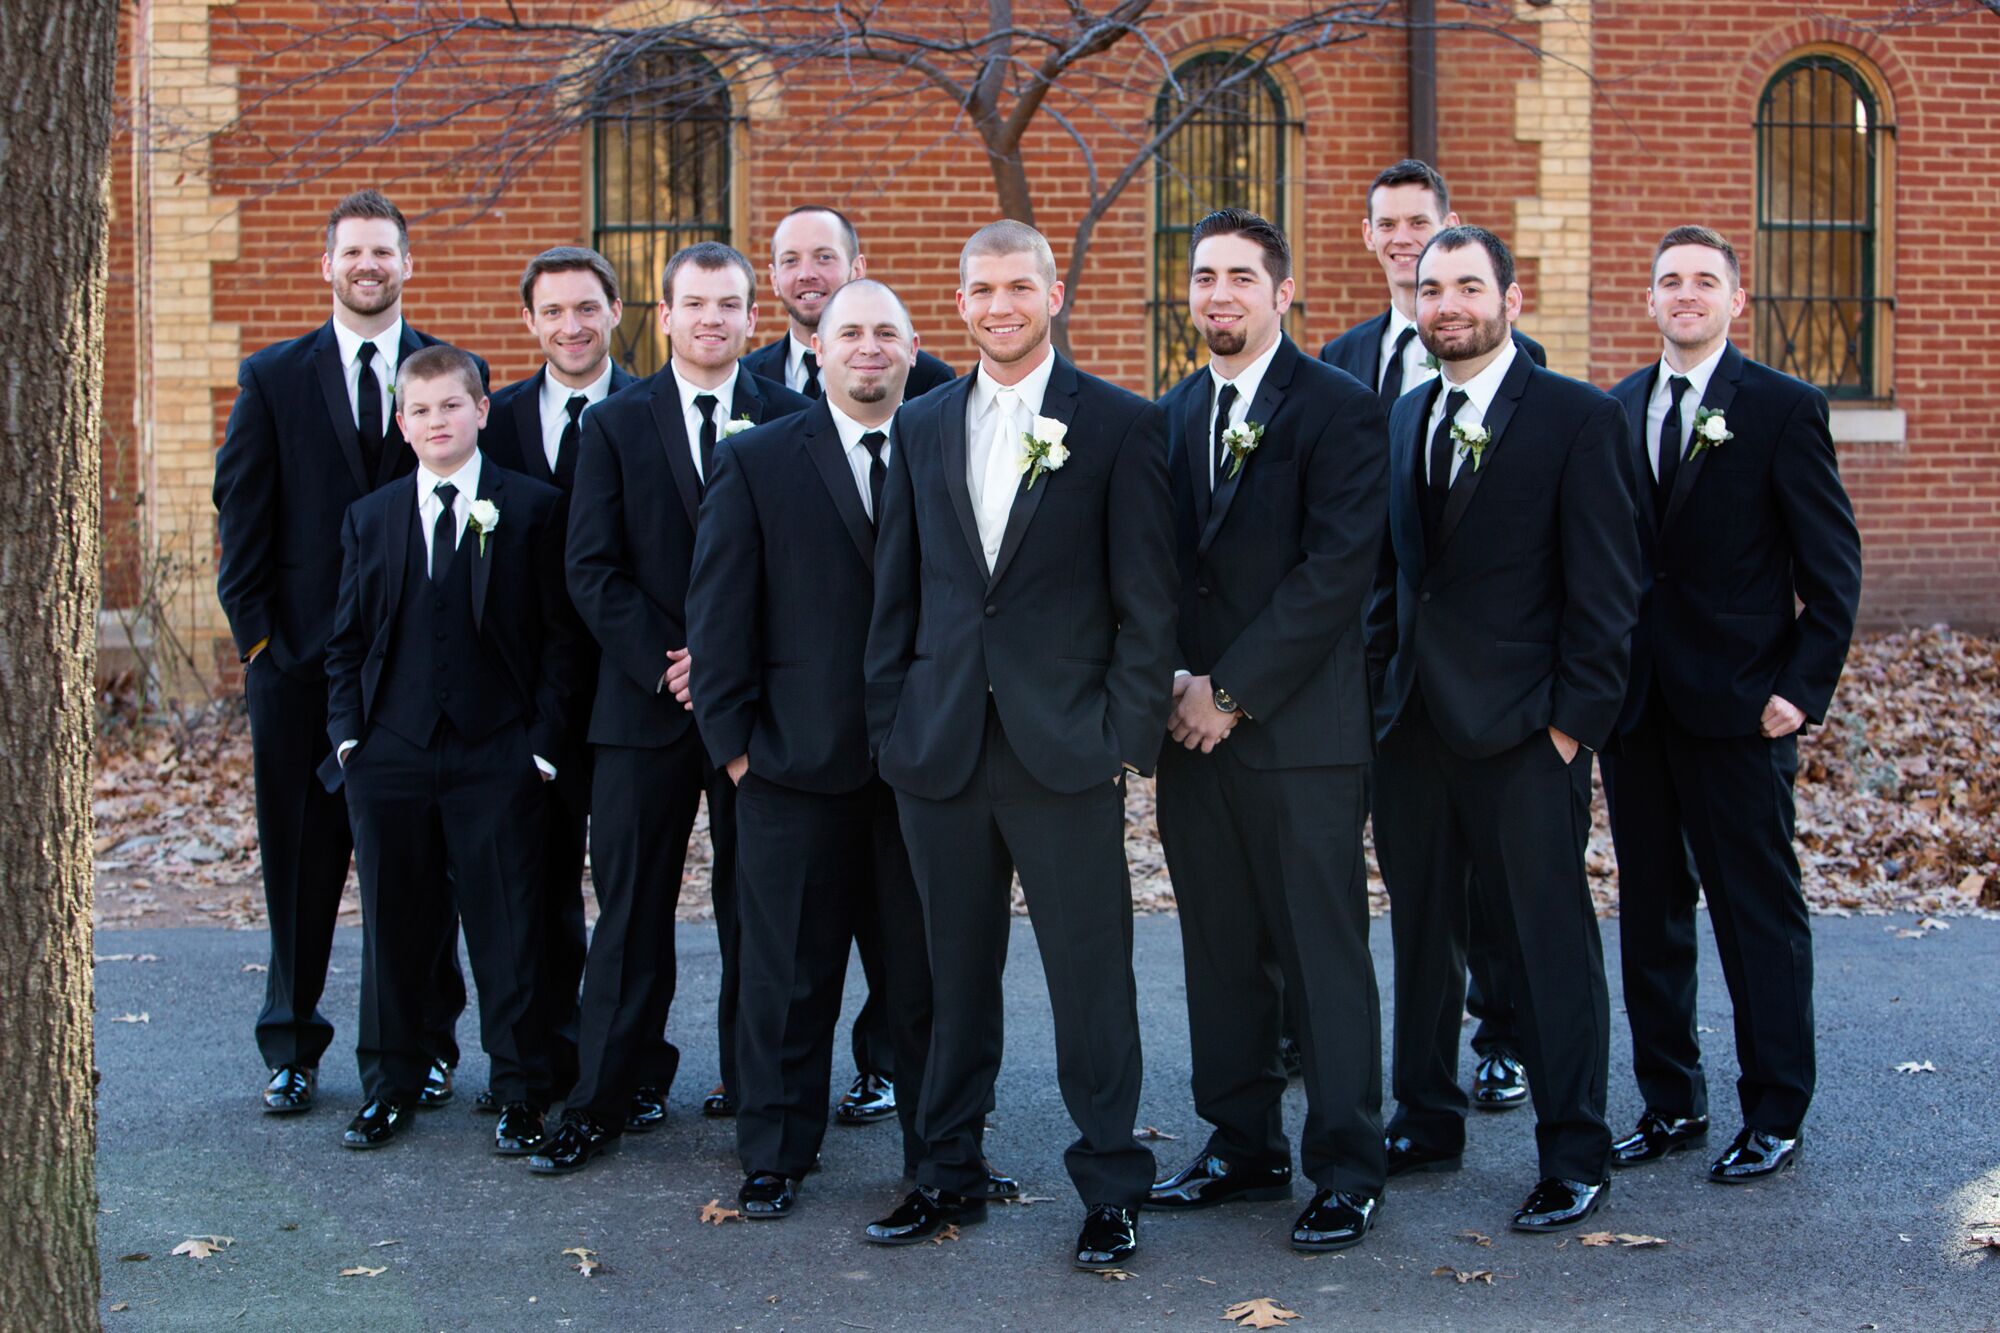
548	769
340	755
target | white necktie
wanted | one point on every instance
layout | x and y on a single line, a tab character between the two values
1003	473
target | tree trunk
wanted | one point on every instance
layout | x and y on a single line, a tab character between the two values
57	67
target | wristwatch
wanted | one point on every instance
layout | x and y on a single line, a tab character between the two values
1223	703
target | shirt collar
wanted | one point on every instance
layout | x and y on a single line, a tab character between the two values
556	394
466	479
725	394
386	343
1398	321
1479	390
1697	376
851	430
1252	376
795	352
1030	391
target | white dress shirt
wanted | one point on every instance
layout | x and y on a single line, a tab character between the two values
858	458
555	406
1415	372
387	343
725	398
795	363
1656	406
1247	385
997	418
1479	391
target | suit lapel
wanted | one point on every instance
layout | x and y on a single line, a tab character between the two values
528	429
333	388
405	503
829	459
1406	523
1371	352
1720	394
1058	403
1277	378
951	432
1498	414
1191	436
393	443
1635	419
490	488
672	427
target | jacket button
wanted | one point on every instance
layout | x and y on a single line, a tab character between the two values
1201	590
1660	575
1423	597
992	610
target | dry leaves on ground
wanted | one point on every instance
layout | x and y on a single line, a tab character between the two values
1623	1239
1478	1238
950	1232
1260	1312
1114	1275
362	1270
146	1017
201	1247
1148	1133
715	1214
586	1261
1914	1067
1476	1275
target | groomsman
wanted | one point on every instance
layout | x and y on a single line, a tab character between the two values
569	302
1742	520
450	676
813	252
778	619
1279	468
1498	641
642	465
1019	661
1408	204
313	430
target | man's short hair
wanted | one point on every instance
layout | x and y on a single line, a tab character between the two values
1458	238
707	256
827	321
1410	172
847	231
367	204
1242	222
568	259
1708	236
435	363
1008	237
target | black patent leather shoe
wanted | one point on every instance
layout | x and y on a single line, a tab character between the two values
925	1213
997	1186
718	1105
766	1196
485	1103
872	1098
1555	1204
1658	1136
1753	1155
1209	1180
375	1124
290	1090
1408	1157
1334	1220
520	1131
577	1139
1292	1058
1499	1084
648	1109
1109	1238
437	1086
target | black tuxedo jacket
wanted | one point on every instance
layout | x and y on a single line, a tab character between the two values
1752	525
289	465
926	373
1073	631
513	434
1277	564
784	579
1517	613
518	607
631	546
1359	350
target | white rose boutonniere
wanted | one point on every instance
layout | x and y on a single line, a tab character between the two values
1472	442
1242	441
736	427
1046	451
484	516
1711	429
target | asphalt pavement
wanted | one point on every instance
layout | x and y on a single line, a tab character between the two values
1871	1231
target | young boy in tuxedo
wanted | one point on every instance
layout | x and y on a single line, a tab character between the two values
450	679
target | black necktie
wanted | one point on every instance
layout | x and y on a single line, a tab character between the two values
873	441
1441	446
444	531
811	387
572	436
368	412
1670	447
1225	399
1392	376
704	403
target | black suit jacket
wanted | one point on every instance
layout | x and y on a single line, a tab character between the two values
1359	350
289	465
926	373
1073	631
631	546
784	580
513	434
518	607
1754	527
1518	614
1277	564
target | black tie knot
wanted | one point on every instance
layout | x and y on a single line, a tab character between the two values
1452	402
1225	400
1403	341
577	402
811	365
446	493
1676	386
873	441
365	353
704	403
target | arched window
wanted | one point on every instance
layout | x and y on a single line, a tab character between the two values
1233	152
1822	311
663	152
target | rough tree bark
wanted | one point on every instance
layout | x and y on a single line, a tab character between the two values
57	66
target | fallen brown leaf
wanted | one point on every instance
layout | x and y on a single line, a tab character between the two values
121	1307
586	1260
1148	1133
1029	1200
950	1232
1261	1312
138	1258
132	1018
1623	1239
1913	1067
715	1214
385	1244
1477	1275
1478	1238
1114	1275
201	1247
362	1270
255	967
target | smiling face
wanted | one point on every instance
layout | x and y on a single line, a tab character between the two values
809	263
441	418
1693	298
1401	221
367	266
1007	302
709	319
865	348
1235	305
572	319
1463	315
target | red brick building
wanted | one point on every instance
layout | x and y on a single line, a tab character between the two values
1851	157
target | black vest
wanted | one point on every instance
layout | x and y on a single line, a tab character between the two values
438	669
